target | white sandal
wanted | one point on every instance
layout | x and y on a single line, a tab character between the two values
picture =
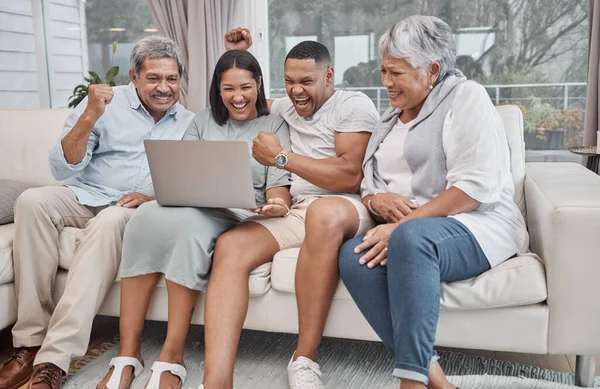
160	367
119	363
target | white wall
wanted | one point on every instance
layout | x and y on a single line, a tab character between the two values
254	15
19	86
43	52
66	48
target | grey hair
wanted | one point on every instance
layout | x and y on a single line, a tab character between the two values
421	41
154	46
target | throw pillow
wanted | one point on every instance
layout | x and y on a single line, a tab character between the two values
9	191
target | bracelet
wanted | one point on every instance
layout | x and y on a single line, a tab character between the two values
288	210
371	208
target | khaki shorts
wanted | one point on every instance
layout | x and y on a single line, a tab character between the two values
289	231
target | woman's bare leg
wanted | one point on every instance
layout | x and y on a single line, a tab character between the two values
135	298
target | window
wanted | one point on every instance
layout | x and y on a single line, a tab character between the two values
525	52
47	46
122	21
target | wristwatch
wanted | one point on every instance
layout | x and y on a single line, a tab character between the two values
281	159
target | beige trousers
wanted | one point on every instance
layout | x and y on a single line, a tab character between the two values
62	329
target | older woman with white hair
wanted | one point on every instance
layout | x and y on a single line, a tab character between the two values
437	178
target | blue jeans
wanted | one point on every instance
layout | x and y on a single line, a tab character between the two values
401	300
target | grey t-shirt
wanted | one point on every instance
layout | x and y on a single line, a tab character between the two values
204	127
314	137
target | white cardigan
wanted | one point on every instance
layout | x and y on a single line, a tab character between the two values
476	151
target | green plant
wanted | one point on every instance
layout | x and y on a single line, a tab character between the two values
540	118
537	115
81	91
568	120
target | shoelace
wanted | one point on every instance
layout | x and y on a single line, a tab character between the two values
48	374
19	354
306	376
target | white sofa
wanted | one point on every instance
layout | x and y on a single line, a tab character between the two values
547	306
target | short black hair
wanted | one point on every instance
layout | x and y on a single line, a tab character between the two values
240	59
310	50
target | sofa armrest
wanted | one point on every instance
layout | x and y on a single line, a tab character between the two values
563	218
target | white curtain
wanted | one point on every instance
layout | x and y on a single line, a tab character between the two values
198	27
593	82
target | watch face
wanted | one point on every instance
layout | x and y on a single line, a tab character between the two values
281	159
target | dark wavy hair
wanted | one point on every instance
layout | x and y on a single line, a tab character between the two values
240	59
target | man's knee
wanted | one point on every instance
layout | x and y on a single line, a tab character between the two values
234	251
229	247
113	217
330	217
31	201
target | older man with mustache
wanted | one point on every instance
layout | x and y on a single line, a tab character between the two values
100	157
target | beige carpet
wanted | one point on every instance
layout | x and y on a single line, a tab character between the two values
502	382
346	364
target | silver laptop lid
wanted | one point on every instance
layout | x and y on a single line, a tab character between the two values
215	174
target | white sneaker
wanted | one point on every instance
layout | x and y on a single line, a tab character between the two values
201	387
304	374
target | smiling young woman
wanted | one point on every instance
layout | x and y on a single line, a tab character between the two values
179	242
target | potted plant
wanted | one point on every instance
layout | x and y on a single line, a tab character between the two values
549	129
571	121
537	119
81	91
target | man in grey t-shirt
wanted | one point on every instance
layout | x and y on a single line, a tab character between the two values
329	132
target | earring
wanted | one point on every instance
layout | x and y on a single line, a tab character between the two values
430	86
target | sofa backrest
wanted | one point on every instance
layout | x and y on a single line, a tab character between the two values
25	138
27	135
513	124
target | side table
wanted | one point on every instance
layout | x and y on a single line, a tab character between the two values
591	153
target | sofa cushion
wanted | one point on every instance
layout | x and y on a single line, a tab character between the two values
6	262
9	191
518	281
259	277
66	246
30	134
513	125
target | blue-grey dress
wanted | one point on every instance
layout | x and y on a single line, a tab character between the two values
179	241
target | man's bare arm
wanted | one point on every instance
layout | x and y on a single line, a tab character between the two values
74	144
340	174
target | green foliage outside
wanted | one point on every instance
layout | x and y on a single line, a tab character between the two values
543	118
133	16
101	15
529	34
534	42
81	91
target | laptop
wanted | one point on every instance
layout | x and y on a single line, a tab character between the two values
196	173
